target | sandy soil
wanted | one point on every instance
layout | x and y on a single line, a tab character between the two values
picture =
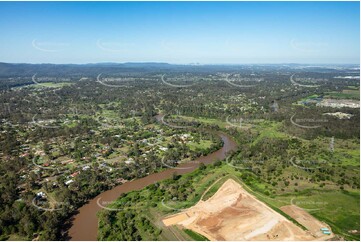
175	219
234	214
307	220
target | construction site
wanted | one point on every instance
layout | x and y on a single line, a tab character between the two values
232	213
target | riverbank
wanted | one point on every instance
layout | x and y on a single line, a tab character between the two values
84	225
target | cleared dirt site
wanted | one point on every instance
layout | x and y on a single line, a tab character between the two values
234	214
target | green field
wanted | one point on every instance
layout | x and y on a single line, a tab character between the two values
305	100
353	87
202	145
344	94
270	129
211	121
53	84
195	236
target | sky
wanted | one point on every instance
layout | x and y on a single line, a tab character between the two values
180	32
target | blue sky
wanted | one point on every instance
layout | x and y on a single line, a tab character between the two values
180	32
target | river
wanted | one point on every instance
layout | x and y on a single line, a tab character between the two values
85	222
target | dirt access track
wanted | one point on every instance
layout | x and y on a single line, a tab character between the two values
234	214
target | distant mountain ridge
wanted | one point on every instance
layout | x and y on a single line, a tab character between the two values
113	68
24	69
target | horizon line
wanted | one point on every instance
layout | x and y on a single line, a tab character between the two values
191	63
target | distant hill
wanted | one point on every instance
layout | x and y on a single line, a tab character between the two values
9	69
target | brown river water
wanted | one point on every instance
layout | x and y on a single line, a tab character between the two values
84	225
